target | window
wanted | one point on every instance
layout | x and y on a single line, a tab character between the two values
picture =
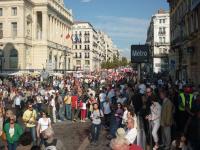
1	11
1	30
160	20
87	62
80	55
160	39
14	29
75	46
14	11
163	20
80	47
75	55
163	39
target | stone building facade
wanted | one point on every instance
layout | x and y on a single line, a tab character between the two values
35	34
91	47
185	39
158	38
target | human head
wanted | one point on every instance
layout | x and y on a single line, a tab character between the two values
119	105
95	106
130	123
163	94
43	114
120	133
119	144
9	113
12	119
30	106
149	91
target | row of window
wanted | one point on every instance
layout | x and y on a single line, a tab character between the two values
162	39
78	62
161	21
13	29
80	33
79	55
13	11
162	30
87	47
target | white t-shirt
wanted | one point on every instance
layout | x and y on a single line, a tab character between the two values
11	132
131	135
106	108
84	106
102	97
44	124
125	117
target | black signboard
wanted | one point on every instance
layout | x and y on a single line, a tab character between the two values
139	53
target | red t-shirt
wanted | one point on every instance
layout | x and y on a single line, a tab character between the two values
135	147
74	101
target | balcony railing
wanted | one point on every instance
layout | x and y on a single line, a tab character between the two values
162	43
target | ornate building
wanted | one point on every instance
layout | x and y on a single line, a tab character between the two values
158	37
35	34
185	39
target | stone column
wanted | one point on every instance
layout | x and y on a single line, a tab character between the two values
44	25
34	26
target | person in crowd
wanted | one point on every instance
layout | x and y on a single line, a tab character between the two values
43	123
145	111
39	100
29	118
107	112
154	117
74	104
67	100
119	144
17	103
125	116
166	119
53	107
61	110
119	114
96	116
102	97
83	110
90	102
13	132
131	132
51	143
185	100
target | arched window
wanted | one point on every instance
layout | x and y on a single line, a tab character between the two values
13	58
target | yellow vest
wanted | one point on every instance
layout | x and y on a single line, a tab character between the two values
182	104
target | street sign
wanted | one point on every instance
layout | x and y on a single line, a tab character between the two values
139	53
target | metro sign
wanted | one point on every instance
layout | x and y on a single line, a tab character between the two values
139	53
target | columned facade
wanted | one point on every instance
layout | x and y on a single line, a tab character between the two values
34	35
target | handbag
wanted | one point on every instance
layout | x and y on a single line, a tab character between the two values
3	136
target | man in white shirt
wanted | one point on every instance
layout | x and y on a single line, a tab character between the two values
102	98
107	111
131	132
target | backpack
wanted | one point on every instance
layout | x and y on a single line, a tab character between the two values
51	146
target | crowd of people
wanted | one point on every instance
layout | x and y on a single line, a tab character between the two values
144	115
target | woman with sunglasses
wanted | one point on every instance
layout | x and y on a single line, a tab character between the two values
43	123
13	132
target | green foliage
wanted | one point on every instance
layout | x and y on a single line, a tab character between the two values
115	63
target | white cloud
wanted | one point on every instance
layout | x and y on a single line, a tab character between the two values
124	30
86	1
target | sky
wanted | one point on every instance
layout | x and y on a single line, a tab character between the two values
125	21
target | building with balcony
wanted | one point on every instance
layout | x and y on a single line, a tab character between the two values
35	34
91	47
185	39
158	38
